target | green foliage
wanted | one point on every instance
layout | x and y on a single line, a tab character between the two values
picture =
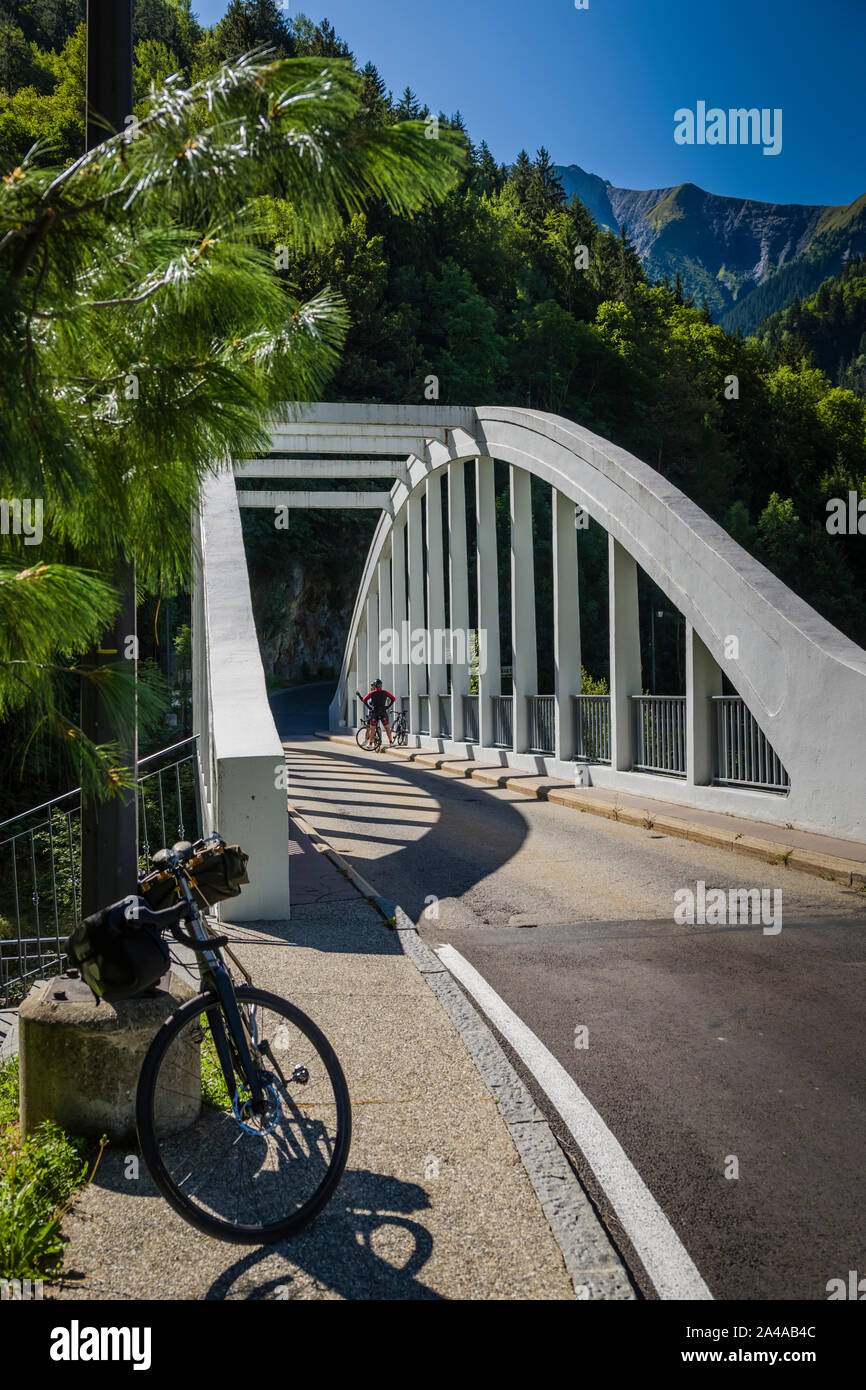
38	1175
827	330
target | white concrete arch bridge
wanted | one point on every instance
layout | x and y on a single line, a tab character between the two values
787	748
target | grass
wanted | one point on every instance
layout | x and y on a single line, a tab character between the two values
213	1086
38	1176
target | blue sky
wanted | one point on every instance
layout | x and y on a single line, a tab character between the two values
599	87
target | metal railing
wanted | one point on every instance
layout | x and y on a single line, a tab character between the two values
444	716
40	860
592	728
744	756
661	734
503	721
542	723
423	714
470	718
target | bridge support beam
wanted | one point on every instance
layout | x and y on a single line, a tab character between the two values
437	684
524	661
625	668
372	635
386	647
363	670
490	678
566	625
399	612
703	680
458	579
417	669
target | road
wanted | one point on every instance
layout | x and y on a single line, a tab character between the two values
727	1062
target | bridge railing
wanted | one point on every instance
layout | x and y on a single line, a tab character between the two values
591	728
242	761
744	756
660	734
444	730
542	723
470	718
40	860
503	721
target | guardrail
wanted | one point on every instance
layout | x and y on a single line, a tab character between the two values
40	861
661	734
591	728
470	718
744	756
542	723
503	721
444	716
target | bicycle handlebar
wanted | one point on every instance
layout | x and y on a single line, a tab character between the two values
169	919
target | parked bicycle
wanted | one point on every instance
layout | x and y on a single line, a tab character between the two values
400	729
242	1109
369	735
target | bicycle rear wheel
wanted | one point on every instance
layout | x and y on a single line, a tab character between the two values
249	1179
363	740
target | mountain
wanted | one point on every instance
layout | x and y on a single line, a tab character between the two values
747	259
829	326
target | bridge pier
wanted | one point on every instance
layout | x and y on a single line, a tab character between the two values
437	673
703	680
625	669
414	541
399	611
458	582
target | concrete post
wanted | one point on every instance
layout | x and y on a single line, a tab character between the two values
399	613
703	680
524	662
566	624
438	674
373	633
363	669
458	576
386	634
625	671
417	669
489	679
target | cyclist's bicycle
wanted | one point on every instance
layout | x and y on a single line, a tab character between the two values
369	736
242	1109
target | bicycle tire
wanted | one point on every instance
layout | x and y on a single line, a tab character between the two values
157	1152
363	742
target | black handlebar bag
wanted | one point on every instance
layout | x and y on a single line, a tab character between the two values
118	956
215	872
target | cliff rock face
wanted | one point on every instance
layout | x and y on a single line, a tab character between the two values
725	249
302	623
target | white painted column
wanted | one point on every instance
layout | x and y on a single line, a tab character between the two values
566	624
703	680
524	662
437	672
373	632
417	669
362	668
386	634
489	672
399	612
625	672
458	577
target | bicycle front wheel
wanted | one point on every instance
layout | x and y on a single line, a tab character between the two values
247	1178
362	737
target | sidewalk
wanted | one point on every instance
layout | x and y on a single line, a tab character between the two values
820	855
435	1203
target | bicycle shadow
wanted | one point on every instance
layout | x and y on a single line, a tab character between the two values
337	1250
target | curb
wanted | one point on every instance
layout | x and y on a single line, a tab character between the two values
849	872
593	1263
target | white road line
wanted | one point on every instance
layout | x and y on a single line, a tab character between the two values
662	1253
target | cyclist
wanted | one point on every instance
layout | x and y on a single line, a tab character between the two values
378	701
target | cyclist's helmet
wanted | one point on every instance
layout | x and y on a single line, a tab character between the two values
377	685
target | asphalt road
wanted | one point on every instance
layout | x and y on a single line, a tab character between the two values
706	1044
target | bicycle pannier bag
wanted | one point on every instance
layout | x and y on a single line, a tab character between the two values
118	956
215	874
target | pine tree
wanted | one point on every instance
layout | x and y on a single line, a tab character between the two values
144	336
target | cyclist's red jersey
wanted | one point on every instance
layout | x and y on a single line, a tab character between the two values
379	702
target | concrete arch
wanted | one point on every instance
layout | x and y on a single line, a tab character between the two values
803	680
